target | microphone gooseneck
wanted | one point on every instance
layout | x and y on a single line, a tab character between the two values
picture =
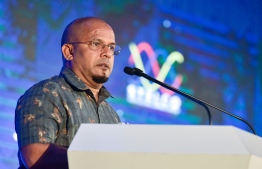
138	72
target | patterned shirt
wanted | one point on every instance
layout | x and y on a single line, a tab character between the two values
52	110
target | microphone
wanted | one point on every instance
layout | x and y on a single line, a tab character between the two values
138	72
133	71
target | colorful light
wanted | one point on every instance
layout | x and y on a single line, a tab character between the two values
160	74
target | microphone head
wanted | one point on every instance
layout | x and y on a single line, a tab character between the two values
133	71
129	70
137	71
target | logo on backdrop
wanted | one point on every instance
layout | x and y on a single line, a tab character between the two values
146	93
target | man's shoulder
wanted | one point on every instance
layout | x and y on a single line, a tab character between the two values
51	82
46	86
47	90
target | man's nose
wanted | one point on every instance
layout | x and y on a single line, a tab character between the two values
107	52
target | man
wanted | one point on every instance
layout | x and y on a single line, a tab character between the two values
49	114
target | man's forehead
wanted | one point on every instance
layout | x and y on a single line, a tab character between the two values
92	25
101	34
94	29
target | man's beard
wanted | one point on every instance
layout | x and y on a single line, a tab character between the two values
100	79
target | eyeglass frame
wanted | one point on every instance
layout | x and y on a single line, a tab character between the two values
89	43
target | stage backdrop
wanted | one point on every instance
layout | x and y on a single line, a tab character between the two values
209	49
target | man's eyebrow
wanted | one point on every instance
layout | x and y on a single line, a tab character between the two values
100	40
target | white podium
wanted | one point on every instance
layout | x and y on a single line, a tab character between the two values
101	146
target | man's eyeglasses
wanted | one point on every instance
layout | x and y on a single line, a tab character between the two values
95	46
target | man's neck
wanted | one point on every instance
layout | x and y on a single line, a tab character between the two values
95	92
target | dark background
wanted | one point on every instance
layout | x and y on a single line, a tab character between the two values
220	43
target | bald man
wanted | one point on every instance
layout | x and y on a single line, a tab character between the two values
49	114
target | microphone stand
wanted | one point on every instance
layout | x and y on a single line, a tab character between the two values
138	72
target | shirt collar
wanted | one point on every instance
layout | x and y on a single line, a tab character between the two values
75	81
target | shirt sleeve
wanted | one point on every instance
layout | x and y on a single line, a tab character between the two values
37	118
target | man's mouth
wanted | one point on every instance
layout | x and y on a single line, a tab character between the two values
104	65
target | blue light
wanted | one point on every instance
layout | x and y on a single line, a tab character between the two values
166	23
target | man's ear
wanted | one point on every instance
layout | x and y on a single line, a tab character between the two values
67	51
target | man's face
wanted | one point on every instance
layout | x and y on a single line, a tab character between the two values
93	66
